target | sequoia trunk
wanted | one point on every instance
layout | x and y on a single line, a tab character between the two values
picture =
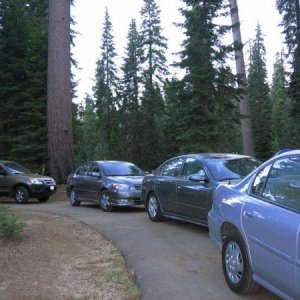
59	103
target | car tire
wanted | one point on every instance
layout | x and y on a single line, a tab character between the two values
236	265
21	194
43	199
105	202
73	198
153	208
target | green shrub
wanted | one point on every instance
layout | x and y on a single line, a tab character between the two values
10	226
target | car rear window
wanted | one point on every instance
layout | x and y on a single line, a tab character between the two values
225	169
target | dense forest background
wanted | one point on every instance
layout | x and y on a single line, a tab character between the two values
137	112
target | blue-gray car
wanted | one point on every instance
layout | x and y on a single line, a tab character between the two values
109	183
256	225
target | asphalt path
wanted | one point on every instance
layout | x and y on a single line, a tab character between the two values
170	259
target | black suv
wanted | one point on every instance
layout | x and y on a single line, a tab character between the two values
18	182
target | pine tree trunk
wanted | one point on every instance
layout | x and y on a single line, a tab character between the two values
59	103
246	126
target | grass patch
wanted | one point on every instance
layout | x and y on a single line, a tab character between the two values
118	274
10	225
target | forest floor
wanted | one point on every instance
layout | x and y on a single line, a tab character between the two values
56	257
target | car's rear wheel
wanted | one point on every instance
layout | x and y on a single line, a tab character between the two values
153	208
236	265
74	198
43	199
105	202
21	194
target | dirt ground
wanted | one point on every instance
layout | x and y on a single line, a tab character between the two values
60	258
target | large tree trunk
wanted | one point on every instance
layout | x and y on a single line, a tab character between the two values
246	126
59	104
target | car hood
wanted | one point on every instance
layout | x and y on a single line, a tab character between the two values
131	180
35	176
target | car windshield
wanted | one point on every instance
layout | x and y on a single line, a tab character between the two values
121	169
226	169
16	168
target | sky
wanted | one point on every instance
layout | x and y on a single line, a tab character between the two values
89	18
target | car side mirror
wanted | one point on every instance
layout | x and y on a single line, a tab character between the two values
96	174
198	177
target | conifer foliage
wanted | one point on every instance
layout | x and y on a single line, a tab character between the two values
290	11
137	111
210	96
105	92
23	81
258	93
282	127
130	90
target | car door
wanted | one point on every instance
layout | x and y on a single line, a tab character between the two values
93	182
298	266
166	184
271	220
193	195
80	181
4	181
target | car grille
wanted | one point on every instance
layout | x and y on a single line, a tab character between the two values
48	181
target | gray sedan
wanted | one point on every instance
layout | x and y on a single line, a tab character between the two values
109	183
182	187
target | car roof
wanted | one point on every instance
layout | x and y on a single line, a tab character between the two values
215	155
109	161
6	161
287	153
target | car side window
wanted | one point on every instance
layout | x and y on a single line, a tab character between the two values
192	166
83	170
94	168
260	181
283	184
172	168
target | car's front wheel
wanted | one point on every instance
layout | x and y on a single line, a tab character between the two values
73	198
153	208
105	202
236	265
21	194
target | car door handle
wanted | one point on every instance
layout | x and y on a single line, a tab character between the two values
249	214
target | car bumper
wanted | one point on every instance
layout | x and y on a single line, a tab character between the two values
38	190
214	225
126	198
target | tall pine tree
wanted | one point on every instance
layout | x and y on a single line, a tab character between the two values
258	92
282	125
210	100
290	10
130	105
154	71
105	92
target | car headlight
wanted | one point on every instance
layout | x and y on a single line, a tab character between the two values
121	186
36	181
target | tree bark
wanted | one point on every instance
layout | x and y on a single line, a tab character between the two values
59	102
246	124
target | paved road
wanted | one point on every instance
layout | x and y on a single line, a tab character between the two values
171	260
